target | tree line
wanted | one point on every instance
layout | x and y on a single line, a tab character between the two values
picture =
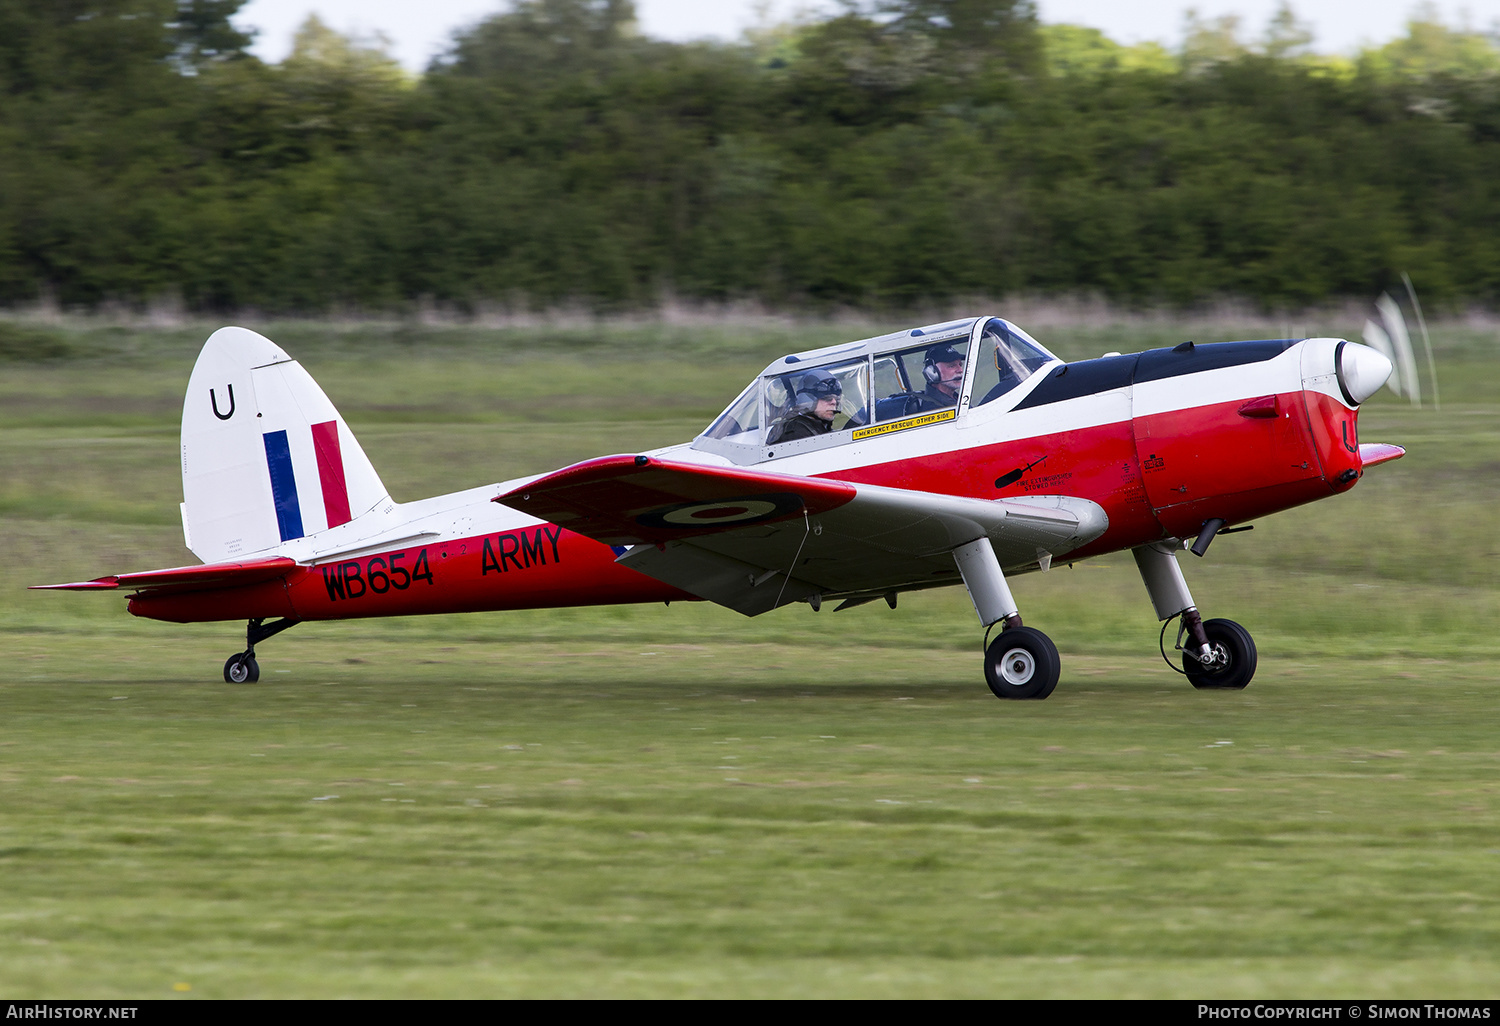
898	152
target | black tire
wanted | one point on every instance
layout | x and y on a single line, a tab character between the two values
241	669
1022	663
1236	642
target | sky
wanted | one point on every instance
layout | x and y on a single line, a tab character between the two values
419	30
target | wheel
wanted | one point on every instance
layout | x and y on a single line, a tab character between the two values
1234	643
1022	663
241	668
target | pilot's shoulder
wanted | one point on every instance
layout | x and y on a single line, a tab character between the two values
796	428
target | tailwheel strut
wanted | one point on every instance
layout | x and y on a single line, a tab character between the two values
241	668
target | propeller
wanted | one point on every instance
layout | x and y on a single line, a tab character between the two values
1426	339
1390	337
1386	333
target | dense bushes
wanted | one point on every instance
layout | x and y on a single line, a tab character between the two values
926	149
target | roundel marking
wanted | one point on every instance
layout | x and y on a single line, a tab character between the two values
747	509
719	512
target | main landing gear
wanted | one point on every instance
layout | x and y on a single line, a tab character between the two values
1216	654
1021	662
241	668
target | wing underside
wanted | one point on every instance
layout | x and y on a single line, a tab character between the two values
753	541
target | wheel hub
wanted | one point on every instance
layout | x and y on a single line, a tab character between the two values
1217	658
1017	666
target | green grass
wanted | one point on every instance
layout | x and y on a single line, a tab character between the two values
654	816
678	801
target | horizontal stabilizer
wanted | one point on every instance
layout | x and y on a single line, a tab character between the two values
1372	454
185	578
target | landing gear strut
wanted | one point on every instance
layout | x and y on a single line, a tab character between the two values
241	668
1021	662
1216	654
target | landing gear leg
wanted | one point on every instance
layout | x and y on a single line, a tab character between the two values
1216	654
241	668
1021	662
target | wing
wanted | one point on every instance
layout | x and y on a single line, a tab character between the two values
185	578
631	500
753	541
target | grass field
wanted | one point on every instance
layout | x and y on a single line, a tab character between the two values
683	802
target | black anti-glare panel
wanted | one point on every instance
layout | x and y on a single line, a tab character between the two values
1170	363
1086	377
1090	377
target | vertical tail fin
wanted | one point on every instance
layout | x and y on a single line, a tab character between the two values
266	459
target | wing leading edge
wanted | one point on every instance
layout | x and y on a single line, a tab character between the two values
753	541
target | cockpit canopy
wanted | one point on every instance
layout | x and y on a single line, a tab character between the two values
848	392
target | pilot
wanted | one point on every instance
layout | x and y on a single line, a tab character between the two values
943	367
813	408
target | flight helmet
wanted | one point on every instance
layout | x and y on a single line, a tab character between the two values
813	386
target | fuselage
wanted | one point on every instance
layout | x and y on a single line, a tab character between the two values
1163	441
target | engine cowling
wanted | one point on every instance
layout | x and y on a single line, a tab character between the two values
1337	376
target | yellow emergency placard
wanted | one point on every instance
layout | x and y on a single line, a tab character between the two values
902	425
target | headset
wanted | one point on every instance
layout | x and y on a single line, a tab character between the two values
941	353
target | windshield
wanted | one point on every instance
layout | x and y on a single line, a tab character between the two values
741	422
1007	356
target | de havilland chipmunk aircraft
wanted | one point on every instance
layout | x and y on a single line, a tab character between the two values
961	452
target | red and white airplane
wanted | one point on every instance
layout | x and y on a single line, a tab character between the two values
961	452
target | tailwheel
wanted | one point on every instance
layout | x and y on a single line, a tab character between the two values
1234	657
241	668
1022	662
